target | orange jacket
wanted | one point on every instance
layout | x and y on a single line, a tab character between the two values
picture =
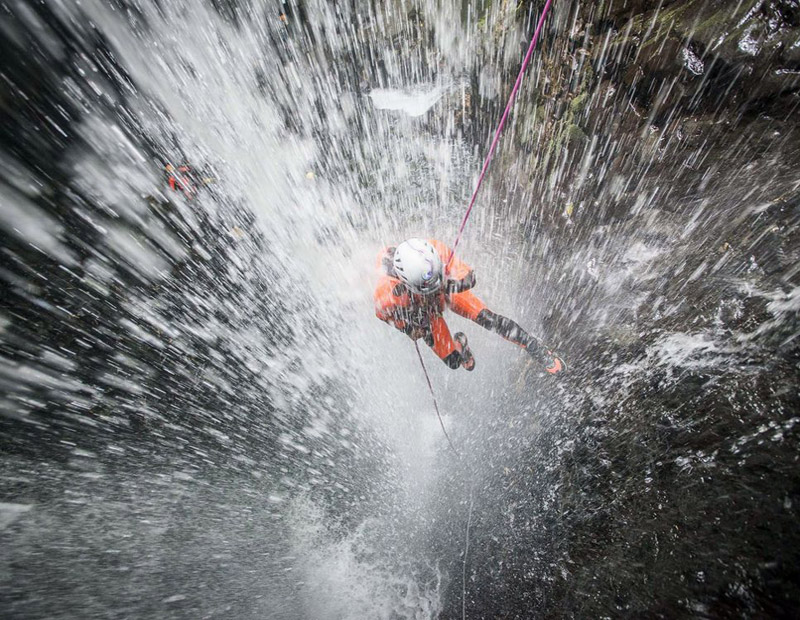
397	306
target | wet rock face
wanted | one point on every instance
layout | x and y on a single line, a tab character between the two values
664	482
727	54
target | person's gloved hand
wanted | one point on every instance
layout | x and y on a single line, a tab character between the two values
459	286
552	362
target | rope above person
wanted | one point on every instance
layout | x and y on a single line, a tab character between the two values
497	133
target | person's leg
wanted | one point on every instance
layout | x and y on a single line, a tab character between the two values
468	305
505	327
448	349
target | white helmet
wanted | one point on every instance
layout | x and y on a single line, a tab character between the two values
418	266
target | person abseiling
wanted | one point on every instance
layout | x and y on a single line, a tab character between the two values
414	290
182	179
186	179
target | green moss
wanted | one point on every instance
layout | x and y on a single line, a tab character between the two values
578	104
720	22
688	20
573	134
714	24
485	16
587	79
665	21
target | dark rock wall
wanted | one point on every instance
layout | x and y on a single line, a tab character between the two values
661	480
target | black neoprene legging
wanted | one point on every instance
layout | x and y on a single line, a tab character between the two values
509	330
504	327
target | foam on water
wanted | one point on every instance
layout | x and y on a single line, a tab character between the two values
413	103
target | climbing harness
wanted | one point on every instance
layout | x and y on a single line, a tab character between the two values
484	169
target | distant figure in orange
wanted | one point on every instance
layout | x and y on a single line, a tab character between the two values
186	179
414	291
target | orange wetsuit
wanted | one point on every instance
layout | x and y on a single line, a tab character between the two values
420	316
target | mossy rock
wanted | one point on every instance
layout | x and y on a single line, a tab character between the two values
573	134
578	104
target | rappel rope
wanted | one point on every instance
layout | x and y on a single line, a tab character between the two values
500	126
463	225
484	169
435	404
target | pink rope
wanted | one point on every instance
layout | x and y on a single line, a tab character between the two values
497	133
486	163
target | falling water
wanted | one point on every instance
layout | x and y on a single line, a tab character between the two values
202	416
